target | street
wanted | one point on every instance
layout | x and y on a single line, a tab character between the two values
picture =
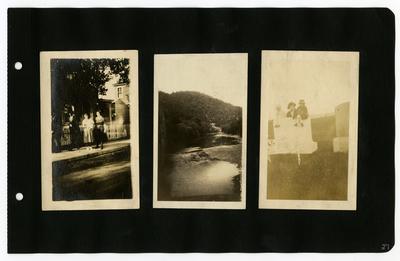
93	174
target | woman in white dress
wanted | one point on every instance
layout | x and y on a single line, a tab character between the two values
87	124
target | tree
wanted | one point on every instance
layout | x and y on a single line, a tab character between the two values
187	117
79	82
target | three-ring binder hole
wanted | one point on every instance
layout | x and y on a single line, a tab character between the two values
18	66
19	196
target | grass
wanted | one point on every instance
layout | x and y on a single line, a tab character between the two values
320	176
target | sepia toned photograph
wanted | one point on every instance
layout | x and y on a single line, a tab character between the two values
89	118
200	103
308	130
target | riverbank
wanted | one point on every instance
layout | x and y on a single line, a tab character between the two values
229	153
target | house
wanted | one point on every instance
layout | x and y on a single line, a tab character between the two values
114	105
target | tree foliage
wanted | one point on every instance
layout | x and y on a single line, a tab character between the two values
78	82
187	116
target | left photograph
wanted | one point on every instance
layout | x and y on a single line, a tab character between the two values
89	130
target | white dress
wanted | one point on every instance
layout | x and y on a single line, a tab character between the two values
87	125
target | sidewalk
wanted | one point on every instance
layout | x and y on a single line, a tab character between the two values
84	152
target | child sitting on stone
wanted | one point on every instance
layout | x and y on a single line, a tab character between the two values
301	113
291	110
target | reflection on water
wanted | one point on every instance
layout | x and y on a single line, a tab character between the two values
205	178
208	170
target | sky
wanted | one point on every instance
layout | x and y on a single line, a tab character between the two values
322	84
222	76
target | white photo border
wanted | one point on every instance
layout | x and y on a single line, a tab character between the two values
45	114
351	202
199	204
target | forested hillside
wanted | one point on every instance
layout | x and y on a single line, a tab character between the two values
186	116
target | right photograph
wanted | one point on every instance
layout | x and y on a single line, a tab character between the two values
308	130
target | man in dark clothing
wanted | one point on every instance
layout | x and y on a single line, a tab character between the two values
99	135
74	132
301	113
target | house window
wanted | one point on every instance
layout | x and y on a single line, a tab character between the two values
119	92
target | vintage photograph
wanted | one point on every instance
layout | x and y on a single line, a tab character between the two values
308	130
200	103
89	118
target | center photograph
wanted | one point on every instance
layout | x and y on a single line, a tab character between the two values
200	117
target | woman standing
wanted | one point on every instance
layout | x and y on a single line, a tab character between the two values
99	136
87	124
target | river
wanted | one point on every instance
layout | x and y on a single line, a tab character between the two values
209	171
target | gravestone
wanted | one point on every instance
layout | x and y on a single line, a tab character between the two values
341	141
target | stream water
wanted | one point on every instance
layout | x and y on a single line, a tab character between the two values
198	174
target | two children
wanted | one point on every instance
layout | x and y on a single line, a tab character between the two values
299	114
